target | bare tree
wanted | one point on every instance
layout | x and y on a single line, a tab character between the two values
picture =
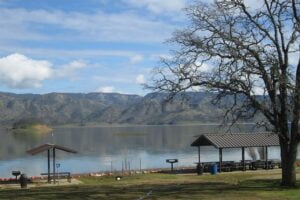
250	54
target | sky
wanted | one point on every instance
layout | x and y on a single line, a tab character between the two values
84	45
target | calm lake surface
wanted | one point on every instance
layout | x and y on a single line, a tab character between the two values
106	148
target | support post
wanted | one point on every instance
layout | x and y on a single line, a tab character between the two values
129	167
243	159
49	179
220	159
54	166
267	164
111	167
140	165
199	155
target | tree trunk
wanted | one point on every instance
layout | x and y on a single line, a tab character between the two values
288	160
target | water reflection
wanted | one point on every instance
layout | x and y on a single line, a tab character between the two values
105	148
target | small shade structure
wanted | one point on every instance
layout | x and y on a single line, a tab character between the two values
236	140
49	147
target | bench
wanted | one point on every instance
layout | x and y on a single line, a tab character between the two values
263	165
277	163
59	175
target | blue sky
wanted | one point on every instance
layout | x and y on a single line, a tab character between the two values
84	45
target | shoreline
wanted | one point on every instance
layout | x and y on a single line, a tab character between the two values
144	125
9	128
113	173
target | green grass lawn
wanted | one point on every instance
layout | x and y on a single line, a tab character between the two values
235	185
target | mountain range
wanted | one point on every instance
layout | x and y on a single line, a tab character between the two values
108	108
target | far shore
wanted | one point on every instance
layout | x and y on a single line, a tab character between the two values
106	125
92	125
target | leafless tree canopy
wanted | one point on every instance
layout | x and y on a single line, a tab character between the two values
248	51
237	50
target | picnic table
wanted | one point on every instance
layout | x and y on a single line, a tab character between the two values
60	175
233	166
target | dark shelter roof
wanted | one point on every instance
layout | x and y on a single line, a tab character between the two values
237	140
47	146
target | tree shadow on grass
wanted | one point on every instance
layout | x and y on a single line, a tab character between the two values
264	184
203	190
250	189
111	192
66	192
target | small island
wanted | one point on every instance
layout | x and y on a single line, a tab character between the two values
33	126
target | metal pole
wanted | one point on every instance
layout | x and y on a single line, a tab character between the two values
220	159
49	179
54	165
267	164
129	166
243	159
57	170
140	165
199	154
111	167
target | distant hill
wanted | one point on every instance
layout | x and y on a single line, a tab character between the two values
108	108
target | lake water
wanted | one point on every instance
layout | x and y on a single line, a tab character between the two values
108	148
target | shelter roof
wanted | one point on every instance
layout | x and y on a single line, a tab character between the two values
47	146
237	140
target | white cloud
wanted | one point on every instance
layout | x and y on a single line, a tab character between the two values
199	68
114	80
136	59
19	71
294	58
70	69
254	4
161	56
99	26
82	53
140	79
106	89
205	67
159	6
257	90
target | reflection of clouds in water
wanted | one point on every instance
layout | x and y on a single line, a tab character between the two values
106	161
24	166
98	147
274	152
85	164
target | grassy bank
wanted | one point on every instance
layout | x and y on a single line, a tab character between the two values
235	185
33	129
